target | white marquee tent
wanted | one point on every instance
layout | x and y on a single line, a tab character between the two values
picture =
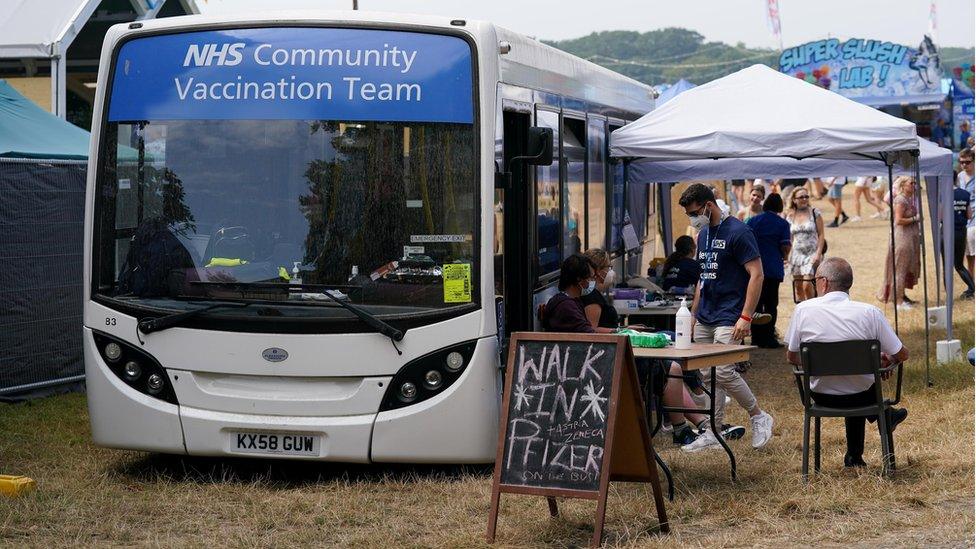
758	122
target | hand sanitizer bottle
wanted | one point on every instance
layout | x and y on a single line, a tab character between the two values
296	274
682	327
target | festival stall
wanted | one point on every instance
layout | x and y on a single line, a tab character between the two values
42	213
759	119
903	81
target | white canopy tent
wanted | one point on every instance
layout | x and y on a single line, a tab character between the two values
44	29
758	122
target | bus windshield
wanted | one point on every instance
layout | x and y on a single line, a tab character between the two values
256	200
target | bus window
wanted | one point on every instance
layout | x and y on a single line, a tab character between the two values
547	201
637	193
574	155
596	223
616	206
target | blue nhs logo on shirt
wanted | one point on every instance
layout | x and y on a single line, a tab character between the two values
285	73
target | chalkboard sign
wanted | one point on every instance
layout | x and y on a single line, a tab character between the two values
558	410
572	421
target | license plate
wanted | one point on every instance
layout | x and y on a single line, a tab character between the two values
285	444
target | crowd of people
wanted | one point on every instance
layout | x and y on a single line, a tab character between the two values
734	267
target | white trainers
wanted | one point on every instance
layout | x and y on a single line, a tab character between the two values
904	306
876	215
855	218
762	429
705	441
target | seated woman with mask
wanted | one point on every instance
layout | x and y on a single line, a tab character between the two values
598	311
564	311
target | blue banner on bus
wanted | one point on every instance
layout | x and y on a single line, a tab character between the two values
294	74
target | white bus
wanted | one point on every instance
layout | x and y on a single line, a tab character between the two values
299	238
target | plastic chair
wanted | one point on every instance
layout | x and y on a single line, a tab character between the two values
859	357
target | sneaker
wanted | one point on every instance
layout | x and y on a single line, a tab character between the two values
762	429
876	215
705	441
843	218
761	319
906	299
666	427
733	432
684	436
855	218
834	224
904	306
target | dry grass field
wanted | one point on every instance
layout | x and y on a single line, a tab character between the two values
89	496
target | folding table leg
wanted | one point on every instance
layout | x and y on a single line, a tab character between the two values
718	432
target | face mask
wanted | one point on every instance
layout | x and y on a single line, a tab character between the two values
608	280
589	288
699	222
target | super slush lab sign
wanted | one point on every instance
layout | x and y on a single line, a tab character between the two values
873	71
294	73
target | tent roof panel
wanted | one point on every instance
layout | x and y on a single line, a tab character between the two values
760	112
28	131
33	29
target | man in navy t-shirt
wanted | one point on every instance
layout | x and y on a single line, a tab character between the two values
773	236
962	212
726	297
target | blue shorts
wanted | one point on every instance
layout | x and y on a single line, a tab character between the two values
835	190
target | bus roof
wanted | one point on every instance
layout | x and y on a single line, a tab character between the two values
529	63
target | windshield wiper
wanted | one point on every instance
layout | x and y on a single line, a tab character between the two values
368	318
156	324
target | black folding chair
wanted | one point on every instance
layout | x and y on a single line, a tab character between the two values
860	357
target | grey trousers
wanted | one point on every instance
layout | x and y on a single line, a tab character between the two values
727	380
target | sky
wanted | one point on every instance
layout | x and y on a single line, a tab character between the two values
730	21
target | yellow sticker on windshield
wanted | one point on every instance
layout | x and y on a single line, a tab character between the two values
457	283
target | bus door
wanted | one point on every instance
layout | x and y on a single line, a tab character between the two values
524	147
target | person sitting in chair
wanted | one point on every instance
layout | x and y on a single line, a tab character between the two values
835	317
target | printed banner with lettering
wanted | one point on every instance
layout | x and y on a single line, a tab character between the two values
294	74
874	72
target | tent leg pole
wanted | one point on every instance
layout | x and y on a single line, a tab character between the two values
891	210
925	270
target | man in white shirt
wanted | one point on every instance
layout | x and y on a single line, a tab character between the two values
834	317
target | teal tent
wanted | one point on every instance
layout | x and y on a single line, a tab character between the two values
28	131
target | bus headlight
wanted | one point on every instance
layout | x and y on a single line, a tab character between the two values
427	376
454	361
155	383
113	351
132	370
135	367
408	392
433	379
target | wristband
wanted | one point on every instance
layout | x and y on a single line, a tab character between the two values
746	317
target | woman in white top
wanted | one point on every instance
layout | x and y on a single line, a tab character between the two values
807	232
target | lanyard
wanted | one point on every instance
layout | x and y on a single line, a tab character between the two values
708	233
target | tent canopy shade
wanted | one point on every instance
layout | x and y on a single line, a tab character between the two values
28	131
933	161
760	112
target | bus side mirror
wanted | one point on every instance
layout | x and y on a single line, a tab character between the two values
539	147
